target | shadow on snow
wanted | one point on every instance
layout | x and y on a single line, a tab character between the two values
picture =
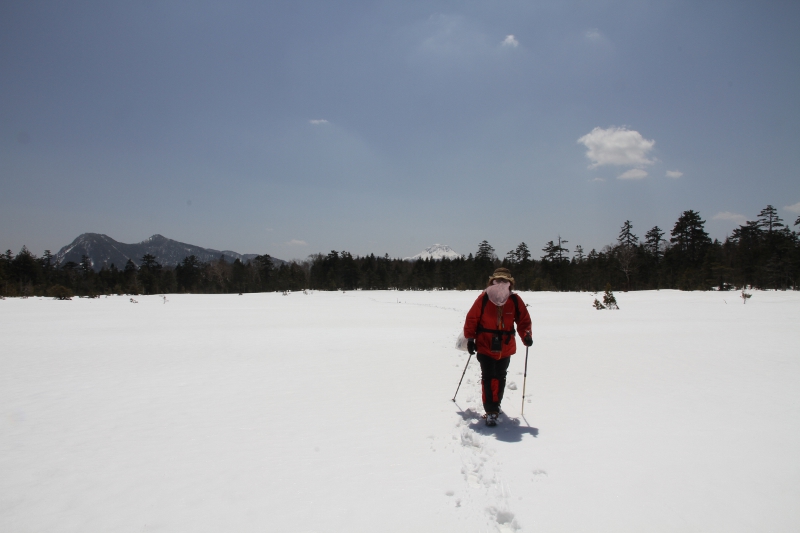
507	430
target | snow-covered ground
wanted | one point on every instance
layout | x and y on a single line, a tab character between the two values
333	412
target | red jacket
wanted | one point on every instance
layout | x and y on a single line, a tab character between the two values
489	320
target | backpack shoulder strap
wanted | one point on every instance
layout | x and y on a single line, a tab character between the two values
516	305
484	301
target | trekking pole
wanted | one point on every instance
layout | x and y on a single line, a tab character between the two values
462	376
524	380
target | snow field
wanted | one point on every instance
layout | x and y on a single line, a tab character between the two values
332	412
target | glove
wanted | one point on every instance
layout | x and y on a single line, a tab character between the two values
527	341
471	346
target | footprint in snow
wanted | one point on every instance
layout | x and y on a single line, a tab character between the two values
504	518
481	470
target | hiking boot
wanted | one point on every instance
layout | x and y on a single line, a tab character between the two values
491	419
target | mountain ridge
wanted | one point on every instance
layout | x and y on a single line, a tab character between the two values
102	251
436	253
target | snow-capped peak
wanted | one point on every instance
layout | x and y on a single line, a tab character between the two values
436	252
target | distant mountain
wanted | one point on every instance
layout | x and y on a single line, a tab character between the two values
103	250
436	252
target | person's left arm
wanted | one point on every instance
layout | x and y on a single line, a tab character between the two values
524	325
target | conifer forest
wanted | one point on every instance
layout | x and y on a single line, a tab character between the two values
762	254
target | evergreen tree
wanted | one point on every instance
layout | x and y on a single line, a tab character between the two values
555	253
5	274
778	245
484	264
238	278
149	262
87	276
485	252
746	244
653	240
608	298
325	272
520	255
47	262
48	268
626	236
768	218
348	272
149	273
690	238
511	258
625	251
555	263
27	271
264	268
129	277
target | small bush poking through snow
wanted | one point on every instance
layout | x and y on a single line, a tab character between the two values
609	302
608	298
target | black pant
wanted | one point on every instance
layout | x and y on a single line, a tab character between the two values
493	381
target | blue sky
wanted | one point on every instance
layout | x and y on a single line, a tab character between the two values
293	128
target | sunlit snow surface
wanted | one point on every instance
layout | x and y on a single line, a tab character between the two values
333	412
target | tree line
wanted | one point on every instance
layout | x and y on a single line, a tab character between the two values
763	253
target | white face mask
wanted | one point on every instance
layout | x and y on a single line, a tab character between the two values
498	292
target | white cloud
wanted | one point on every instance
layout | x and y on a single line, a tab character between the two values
730	217
675	174
793	208
599	180
633	174
593	35
510	41
318	121
449	36
450	40
596	41
295	242
616	146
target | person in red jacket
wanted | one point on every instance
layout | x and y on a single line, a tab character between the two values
489	328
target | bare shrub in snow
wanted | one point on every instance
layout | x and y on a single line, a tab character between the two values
59	292
745	295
